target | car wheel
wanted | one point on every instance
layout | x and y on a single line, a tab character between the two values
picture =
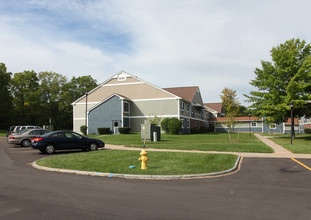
93	147
26	143
49	149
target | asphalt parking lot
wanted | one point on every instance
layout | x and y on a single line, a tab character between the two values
263	188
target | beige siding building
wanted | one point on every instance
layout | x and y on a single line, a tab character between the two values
125	100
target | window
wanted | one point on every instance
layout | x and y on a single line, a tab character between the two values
126	107
43	132
182	105
182	123
121	78
254	124
188	107
273	126
35	132
58	135
73	135
188	124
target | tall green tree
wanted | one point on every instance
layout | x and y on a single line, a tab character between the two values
25	90
231	106
285	80
71	91
51	89
5	97
77	87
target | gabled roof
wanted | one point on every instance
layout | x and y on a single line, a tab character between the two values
123	78
186	93
217	107
120	96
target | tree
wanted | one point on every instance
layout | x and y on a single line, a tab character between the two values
5	97
71	91
231	106
285	80
243	111
25	90
51	90
77	87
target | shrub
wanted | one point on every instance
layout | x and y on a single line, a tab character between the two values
103	130
83	129
307	130
174	126
124	130
164	125
194	130
201	130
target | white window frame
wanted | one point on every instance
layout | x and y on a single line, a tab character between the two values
253	124
182	105
124	109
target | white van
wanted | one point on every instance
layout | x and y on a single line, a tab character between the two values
27	127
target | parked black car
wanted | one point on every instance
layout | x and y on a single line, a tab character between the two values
65	140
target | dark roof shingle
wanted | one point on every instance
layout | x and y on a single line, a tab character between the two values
186	93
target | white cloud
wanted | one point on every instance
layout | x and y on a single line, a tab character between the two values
209	43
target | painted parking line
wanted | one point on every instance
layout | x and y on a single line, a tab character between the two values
301	164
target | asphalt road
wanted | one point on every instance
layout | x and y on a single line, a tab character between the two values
261	189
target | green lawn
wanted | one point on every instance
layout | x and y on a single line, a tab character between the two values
203	142
161	163
3	133
301	143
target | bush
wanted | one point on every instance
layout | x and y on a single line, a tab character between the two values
83	129
124	130
164	125
174	126
194	130
307	130
201	130
103	130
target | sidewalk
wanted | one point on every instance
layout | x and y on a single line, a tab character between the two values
279	151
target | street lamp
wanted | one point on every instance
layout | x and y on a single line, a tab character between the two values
249	124
292	123
86	94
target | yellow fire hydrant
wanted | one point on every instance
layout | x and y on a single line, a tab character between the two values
144	159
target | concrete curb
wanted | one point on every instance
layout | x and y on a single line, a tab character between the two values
234	169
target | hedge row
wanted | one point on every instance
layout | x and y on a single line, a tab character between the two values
103	131
201	130
307	130
123	130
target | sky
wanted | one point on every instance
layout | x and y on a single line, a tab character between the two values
213	44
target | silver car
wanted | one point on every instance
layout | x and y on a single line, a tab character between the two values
19	128
24	137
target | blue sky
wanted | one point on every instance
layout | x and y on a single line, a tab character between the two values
212	44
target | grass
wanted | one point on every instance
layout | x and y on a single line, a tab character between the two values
301	143
3	133
203	142
161	163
